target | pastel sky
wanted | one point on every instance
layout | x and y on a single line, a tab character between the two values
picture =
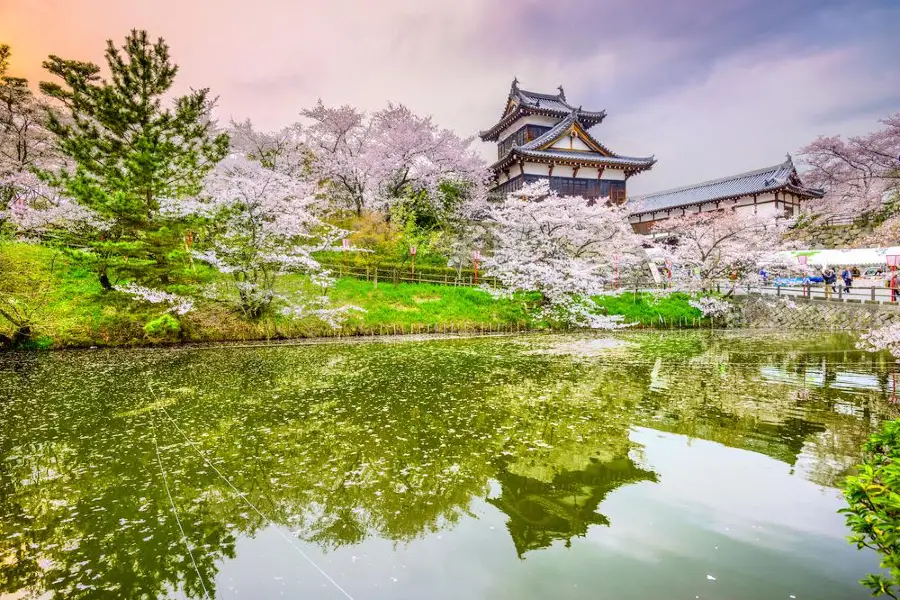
711	87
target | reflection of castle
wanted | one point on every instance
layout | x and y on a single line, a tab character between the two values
541	513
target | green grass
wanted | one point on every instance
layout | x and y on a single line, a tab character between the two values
76	312
672	310
426	304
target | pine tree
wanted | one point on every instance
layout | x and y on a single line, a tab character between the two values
131	155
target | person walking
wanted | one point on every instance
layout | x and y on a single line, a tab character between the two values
829	278
847	276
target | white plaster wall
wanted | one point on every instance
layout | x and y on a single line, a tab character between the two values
527	120
765	207
576	143
533	168
536	168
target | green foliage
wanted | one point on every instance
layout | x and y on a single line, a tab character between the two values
648	309
27	279
425	304
163	327
386	243
129	153
873	512
4	58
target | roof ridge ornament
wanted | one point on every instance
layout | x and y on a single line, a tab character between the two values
562	92
514	88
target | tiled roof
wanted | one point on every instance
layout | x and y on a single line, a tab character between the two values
555	102
532	149
534	102
625	161
753	182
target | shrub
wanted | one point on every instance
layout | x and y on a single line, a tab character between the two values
163	327
873	512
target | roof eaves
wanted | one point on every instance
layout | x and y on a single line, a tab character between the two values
710	182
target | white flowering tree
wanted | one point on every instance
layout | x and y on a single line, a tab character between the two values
721	245
858	173
713	308
29	205
565	248
174	303
282	151
25	142
260	226
883	338
370	162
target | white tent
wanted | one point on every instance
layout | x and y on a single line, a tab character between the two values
859	257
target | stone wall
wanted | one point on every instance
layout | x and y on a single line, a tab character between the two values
821	236
783	313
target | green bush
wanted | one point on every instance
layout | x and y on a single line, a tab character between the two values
163	327
873	512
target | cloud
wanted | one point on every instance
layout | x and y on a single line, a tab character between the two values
747	113
712	87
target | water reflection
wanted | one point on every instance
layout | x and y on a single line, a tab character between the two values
348	446
542	512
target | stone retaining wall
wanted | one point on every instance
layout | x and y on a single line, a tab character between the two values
783	313
820	236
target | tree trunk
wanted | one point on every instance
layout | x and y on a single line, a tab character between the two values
21	336
104	281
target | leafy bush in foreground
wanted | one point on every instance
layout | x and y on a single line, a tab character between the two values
873	496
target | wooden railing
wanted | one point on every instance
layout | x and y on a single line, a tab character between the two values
878	294
396	275
839	220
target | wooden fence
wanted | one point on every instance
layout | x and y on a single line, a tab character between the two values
394	274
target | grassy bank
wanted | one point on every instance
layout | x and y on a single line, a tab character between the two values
73	311
648	310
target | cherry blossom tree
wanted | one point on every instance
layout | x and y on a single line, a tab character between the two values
282	151
369	162
883	338
562	247
260	226
711	307
886	233
175	303
25	142
37	212
857	172
710	246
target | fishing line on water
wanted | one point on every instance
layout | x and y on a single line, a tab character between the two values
175	511
250	504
